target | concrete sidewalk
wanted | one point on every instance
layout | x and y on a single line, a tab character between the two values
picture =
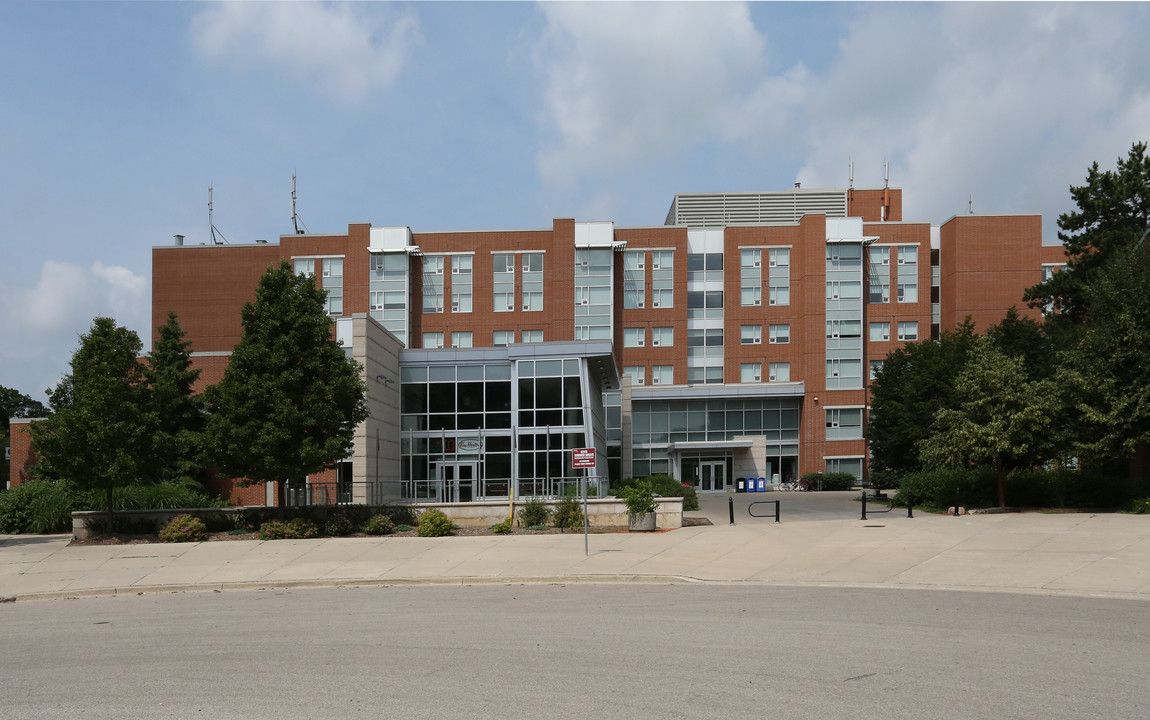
1077	554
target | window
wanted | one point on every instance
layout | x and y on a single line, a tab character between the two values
843	329
662	279
779	279
433	284
662	298
844	423
779	372
375	300
460	339
750	296
751	334
848	369
503	338
636	373
333	267
662	337
461	283
751	372
634	337
907	291
532	282
331	271
532	336
750	277
879	331
663	375
908	330
751	258
875	368
879	291
662	260
780	334
634	279
907	255
334	304
503	282
879	275
433	340
304	266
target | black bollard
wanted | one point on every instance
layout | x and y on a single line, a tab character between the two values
863	505
956	502
910	505
731	507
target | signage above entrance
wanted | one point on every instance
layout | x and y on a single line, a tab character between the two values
583	458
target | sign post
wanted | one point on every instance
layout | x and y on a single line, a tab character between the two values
584	458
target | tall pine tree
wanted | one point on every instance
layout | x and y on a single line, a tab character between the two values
180	412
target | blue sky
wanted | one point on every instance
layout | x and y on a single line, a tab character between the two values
117	116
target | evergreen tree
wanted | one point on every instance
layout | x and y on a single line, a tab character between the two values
102	432
180	412
290	399
1113	212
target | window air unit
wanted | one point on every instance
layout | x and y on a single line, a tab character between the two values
654	304
654	342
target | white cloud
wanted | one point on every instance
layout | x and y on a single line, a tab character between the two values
41	324
632	83
344	50
1009	103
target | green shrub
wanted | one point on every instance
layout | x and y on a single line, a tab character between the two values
664	486
568	514
534	512
337	525
502	528
38	506
1139	507
639	498
404	528
831	481
433	523
379	525
935	489
301	528
184	528
274	530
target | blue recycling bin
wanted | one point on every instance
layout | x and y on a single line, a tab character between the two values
761	485
751	485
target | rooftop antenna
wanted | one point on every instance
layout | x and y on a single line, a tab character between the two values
970	205
296	222
886	174
851	174
212	231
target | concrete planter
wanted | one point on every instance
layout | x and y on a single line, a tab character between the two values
644	522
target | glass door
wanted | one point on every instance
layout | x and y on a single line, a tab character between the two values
712	475
458	480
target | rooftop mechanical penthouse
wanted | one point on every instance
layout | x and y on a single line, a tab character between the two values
735	340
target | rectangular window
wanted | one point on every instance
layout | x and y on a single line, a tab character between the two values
908	330
907	255
461	283
908	292
634	279
779	277
433	340
503	338
460	339
779	372
750	277
304	266
634	337
844	369
662	337
503	282
636	373
662	279
533	282
751	334
879	291
532	336
663	375
780	334
875	368
375	300
433	284
843	329
333	267
879	331
751	372
844	423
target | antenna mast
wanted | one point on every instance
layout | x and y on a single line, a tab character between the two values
295	219
212	232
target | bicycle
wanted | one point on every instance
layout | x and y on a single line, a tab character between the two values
798	485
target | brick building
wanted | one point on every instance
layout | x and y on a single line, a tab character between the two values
735	340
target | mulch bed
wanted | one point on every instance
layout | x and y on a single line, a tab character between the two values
125	539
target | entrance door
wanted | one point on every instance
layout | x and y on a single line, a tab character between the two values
458	481
712	475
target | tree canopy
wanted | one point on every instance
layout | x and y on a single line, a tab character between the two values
171	380
290	399
914	383
1000	418
1113	212
102	433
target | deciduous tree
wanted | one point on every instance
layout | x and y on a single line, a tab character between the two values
290	398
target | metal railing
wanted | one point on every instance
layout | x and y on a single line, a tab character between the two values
384	492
